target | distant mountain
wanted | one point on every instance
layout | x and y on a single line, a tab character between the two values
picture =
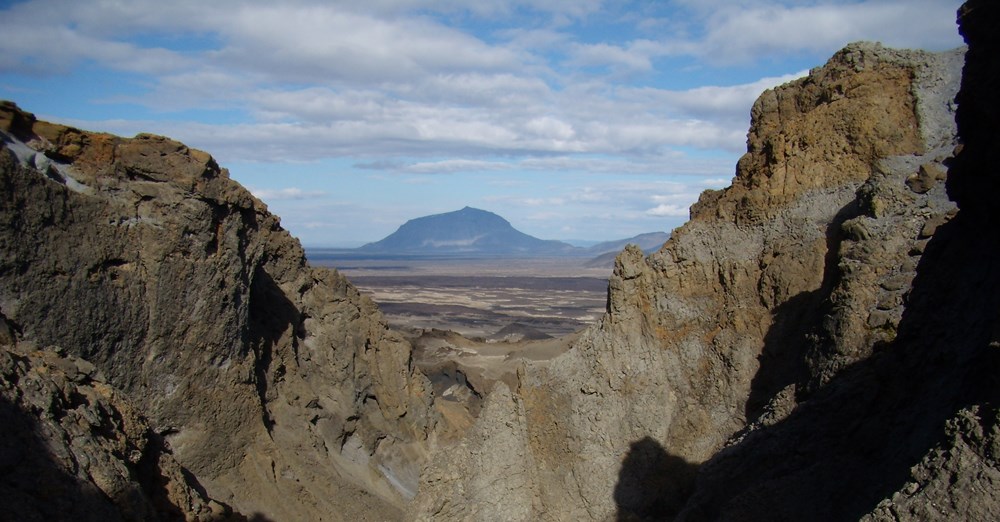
647	242
605	253
469	231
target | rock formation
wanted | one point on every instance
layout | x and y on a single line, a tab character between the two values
785	355
268	379
819	342
73	448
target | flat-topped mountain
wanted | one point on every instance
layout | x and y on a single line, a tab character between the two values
469	231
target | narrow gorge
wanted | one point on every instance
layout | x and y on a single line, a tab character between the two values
818	342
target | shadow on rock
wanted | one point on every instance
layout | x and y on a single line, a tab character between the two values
33	485
652	484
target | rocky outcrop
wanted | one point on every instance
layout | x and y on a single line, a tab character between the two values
776	290
268	379
73	448
909	430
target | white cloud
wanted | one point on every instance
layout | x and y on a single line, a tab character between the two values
339	79
710	102
668	210
332	46
417	88
745	32
602	54
454	165
529	202
290	193
671	164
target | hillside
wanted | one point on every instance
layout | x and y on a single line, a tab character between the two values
470	232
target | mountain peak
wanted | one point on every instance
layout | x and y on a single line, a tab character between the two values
469	231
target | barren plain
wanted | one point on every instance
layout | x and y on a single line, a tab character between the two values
472	322
488	299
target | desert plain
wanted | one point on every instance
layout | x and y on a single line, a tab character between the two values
473	321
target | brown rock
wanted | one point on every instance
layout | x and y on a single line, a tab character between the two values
925	178
74	448
758	302
143	257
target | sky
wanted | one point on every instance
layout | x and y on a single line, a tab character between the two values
581	120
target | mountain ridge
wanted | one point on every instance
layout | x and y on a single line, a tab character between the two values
475	232
468	231
779	325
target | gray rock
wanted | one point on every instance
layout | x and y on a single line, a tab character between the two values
179	287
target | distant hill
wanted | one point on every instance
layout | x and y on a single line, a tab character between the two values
606	252
469	231
647	242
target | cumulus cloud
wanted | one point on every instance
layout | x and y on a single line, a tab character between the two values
711	102
419	88
736	31
344	80
614	56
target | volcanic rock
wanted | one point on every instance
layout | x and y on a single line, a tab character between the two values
763	305
269	379
819	342
73	447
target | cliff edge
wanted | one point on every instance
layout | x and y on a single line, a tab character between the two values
267	379
780	357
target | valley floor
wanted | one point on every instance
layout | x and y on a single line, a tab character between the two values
488	299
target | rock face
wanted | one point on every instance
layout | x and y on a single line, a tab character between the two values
766	362
268	379
819	342
907	431
73	448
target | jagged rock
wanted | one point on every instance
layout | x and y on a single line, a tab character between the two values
493	469
72	447
142	257
778	283
957	480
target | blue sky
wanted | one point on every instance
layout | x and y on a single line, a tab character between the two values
573	119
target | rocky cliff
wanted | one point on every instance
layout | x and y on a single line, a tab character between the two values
819	342
266	379
812	345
